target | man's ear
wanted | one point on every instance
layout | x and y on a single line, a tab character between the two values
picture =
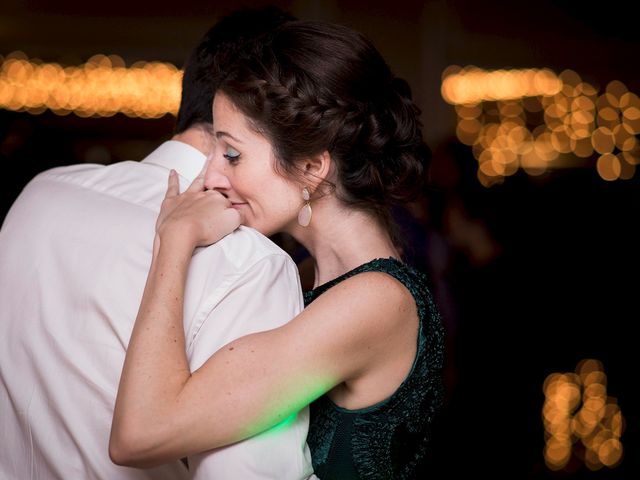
317	170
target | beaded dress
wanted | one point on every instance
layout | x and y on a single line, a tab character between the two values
386	440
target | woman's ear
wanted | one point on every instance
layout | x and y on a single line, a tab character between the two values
317	170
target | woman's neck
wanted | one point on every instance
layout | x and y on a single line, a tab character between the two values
340	240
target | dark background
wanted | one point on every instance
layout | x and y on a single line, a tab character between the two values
535	274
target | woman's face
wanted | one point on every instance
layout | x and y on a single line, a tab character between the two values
241	166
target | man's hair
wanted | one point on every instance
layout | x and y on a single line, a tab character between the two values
220	45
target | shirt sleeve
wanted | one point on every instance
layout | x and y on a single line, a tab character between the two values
265	296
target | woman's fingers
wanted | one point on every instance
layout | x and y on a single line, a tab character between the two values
173	187
232	219
198	183
207	215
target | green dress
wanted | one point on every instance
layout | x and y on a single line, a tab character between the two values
389	439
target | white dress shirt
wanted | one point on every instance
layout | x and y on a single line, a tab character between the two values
75	249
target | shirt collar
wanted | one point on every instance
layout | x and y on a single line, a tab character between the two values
183	158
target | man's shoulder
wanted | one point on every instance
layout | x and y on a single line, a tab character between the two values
87	174
246	247
139	170
132	182
79	169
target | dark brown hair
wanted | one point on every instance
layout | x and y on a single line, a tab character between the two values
218	46
313	87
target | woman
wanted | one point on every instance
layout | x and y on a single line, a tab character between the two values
315	138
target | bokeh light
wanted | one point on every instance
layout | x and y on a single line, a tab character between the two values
101	87
499	117
580	419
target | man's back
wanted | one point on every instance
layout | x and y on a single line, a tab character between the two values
68	286
74	254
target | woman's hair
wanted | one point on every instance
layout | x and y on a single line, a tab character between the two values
209	59
313	87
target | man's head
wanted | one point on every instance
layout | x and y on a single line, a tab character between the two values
220	45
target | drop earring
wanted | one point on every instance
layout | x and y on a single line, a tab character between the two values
304	217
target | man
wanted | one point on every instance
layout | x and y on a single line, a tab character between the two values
74	254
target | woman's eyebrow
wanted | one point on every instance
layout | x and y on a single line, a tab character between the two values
225	134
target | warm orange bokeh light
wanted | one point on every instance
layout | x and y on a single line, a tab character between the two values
495	110
578	409
101	87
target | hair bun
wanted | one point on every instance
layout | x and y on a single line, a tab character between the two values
392	143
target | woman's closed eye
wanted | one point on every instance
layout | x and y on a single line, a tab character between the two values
232	155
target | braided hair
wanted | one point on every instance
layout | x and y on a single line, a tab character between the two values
312	87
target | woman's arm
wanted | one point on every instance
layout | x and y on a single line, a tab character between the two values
156	362
255	382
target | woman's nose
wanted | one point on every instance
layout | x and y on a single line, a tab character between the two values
214	179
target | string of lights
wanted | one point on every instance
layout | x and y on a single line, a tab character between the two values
536	120
529	119
101	87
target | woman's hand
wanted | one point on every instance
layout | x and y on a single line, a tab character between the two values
156	369
198	216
